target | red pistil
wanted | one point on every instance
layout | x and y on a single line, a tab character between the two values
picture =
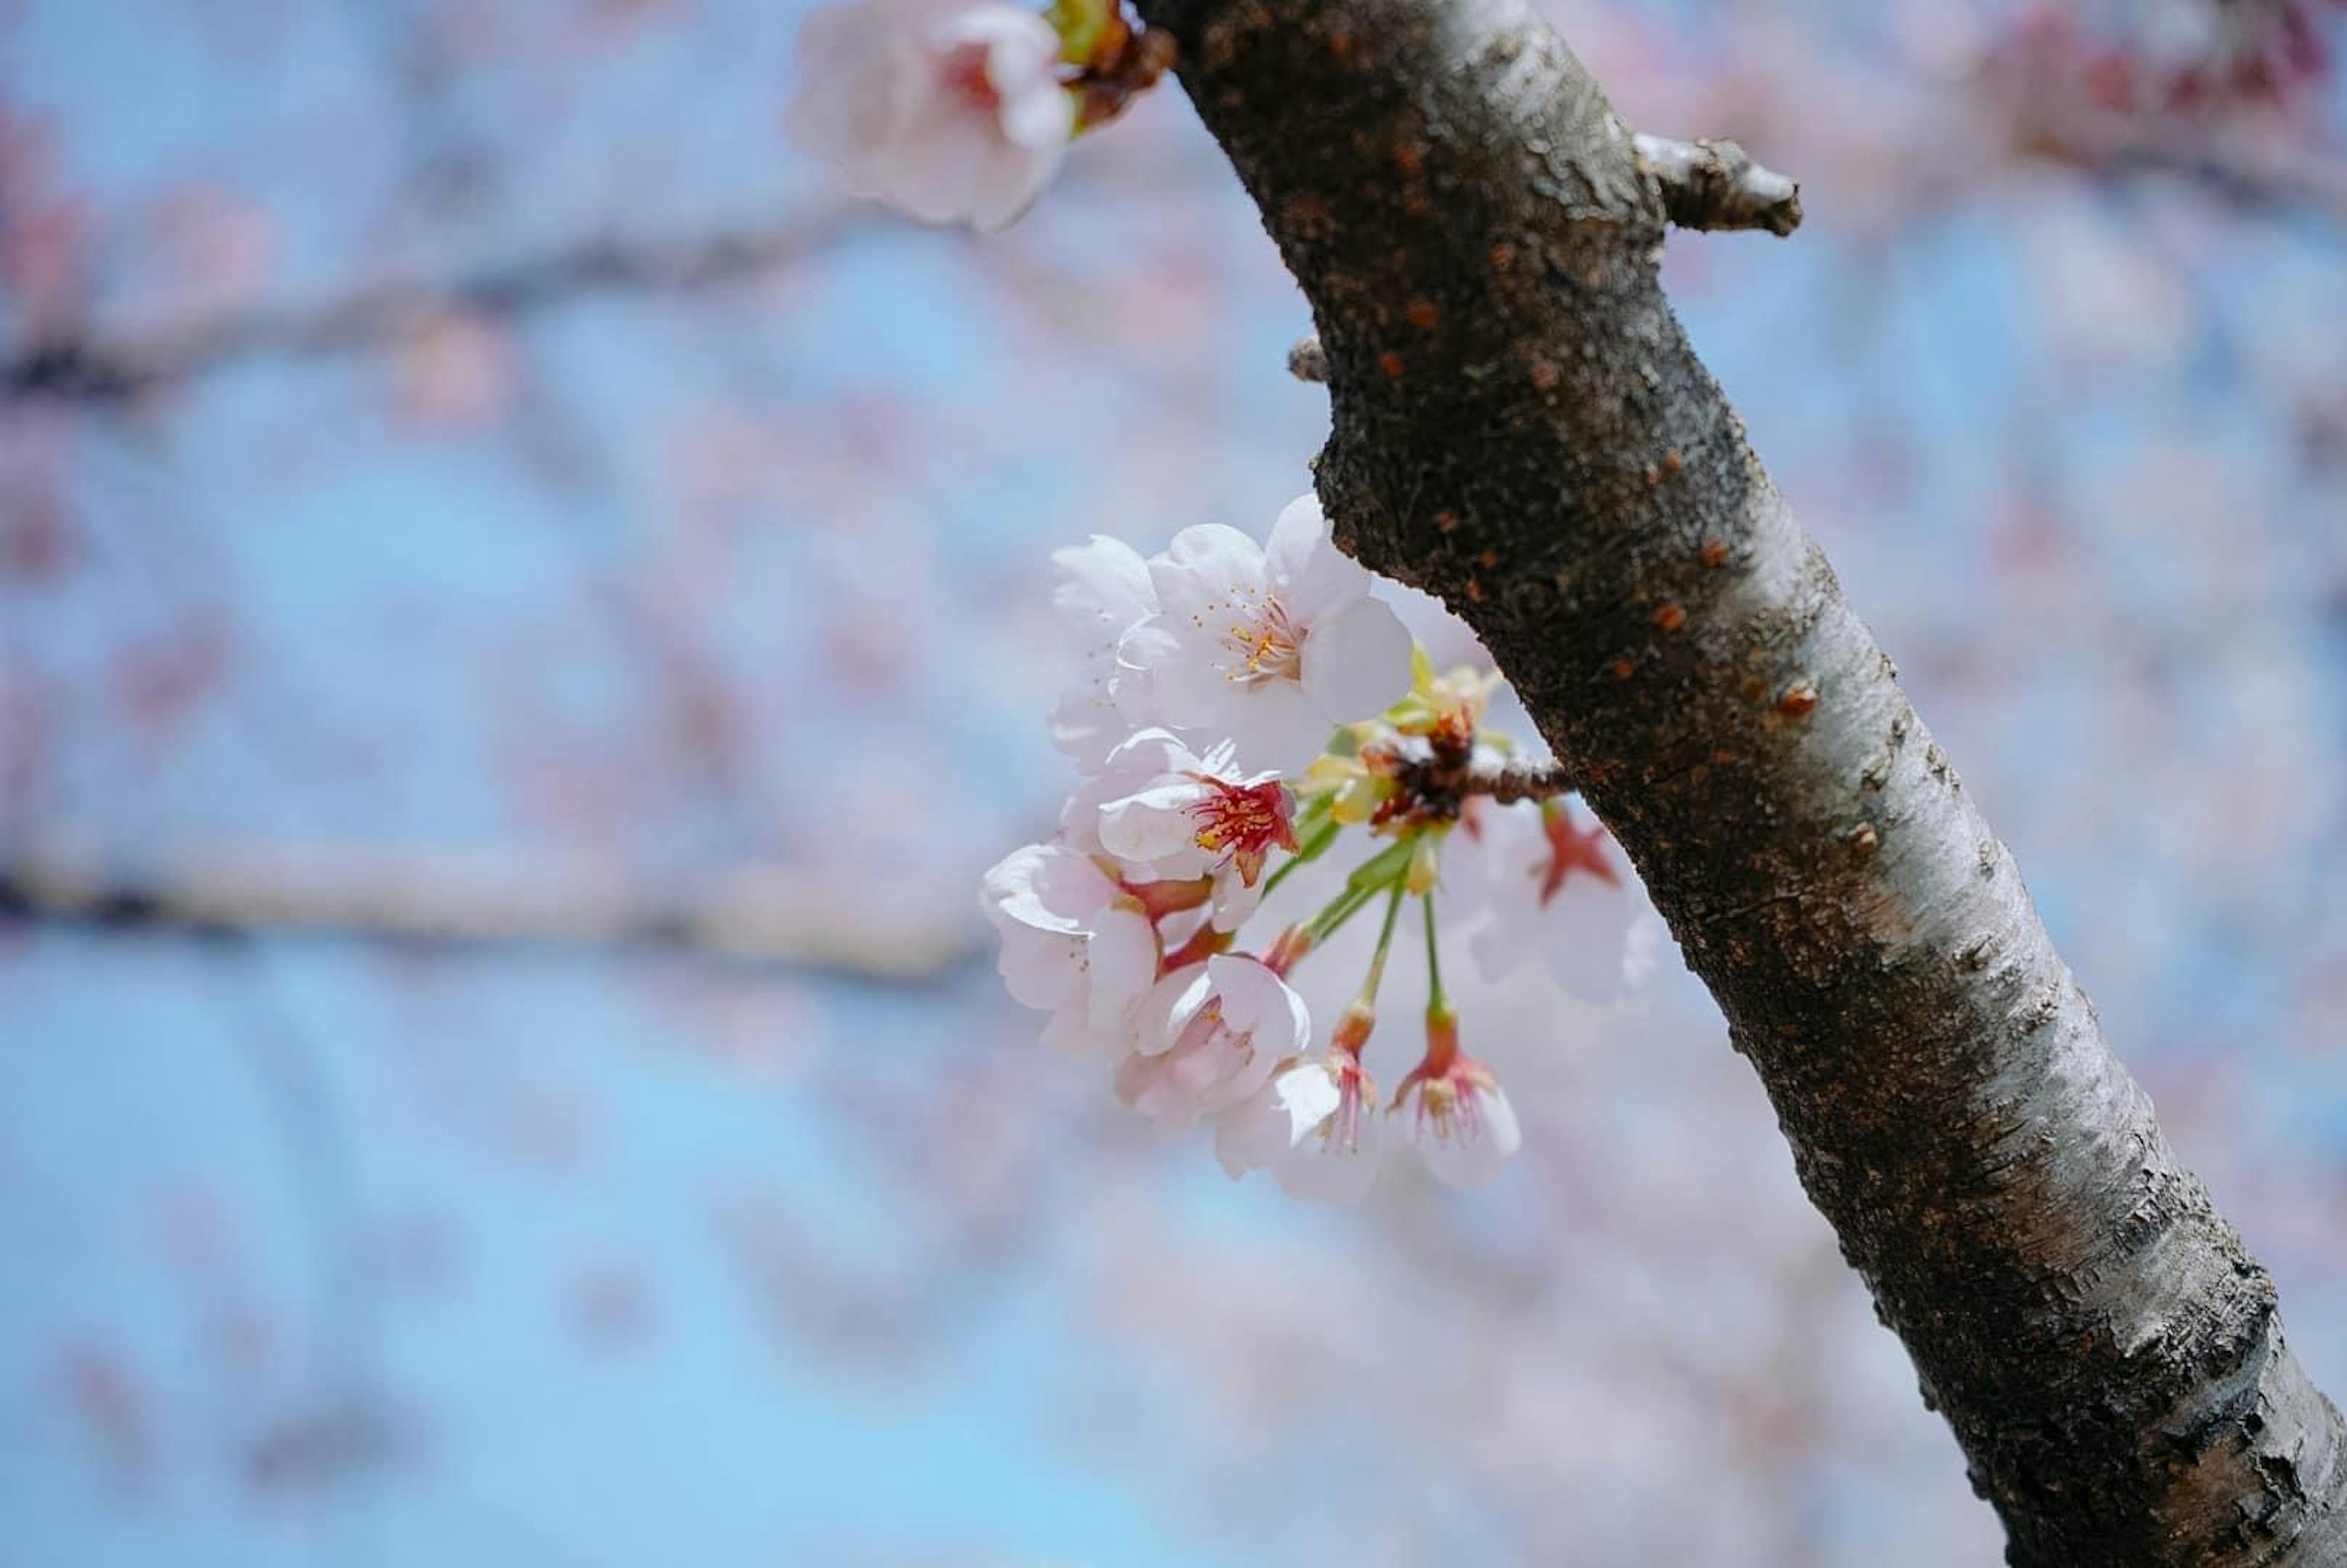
1248	820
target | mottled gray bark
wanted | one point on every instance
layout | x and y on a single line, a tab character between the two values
1519	426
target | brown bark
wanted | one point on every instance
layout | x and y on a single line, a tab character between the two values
1519	426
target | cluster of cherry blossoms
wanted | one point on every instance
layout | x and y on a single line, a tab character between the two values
958	111
1238	708
1236	704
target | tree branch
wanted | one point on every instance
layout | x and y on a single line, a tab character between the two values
755	915
1714	185
1519	426
1438	777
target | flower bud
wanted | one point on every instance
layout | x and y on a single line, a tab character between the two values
1289	946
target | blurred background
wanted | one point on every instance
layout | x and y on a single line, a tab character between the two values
522	618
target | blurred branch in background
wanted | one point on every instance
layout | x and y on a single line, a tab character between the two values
757	915
78	362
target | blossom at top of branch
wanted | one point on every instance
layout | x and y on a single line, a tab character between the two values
952	111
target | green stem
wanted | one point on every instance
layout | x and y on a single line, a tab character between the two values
1372	877
1385	945
1382	867
1435	999
1341	909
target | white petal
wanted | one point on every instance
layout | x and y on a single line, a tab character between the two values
1176	660
1475	1142
1049	887
1311	575
1032	109
1252	1133
1102	591
1235	902
1158	1019
1357	662
1156	827
1041	968
1136	694
1244	1070
1122	959
1088	720
1309	1093
1080	814
1170	1088
1273	726
1102	707
1150	754
1205	568
1323	1169
1584	934
1259	1003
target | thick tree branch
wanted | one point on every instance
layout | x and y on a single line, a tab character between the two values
1519	426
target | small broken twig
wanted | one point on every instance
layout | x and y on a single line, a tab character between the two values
1711	184
1307	361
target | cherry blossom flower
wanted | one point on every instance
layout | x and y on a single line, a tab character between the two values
1167	814
1269	645
1103	591
950	110
1560	890
1206	1037
1315	1125
1074	943
1453	1111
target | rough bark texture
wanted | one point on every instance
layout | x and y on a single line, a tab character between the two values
1519	426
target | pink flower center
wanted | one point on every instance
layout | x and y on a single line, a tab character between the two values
963	74
1572	850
